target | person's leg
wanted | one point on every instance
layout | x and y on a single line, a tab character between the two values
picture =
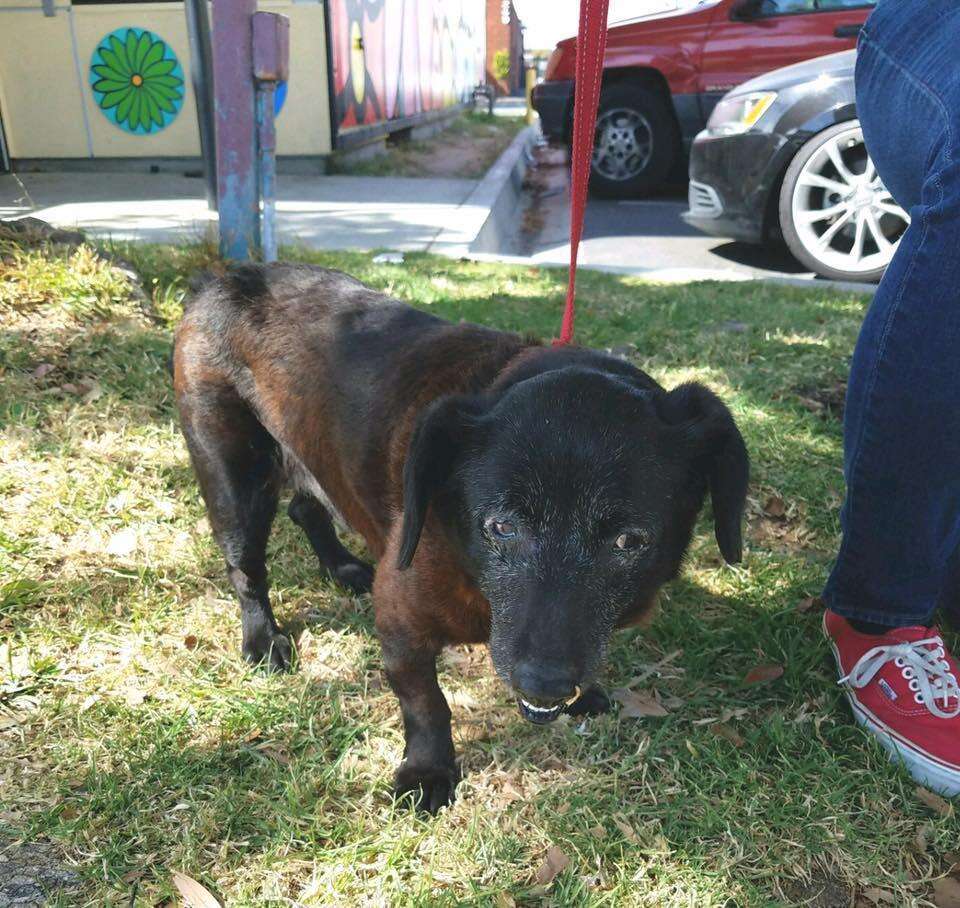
901	516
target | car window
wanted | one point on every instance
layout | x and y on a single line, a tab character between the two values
784	7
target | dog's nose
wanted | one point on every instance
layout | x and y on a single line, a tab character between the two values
543	685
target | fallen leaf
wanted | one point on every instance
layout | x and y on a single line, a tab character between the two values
122	543
638	704
134	696
252	735
811	602
934	801
194	894
78	388
761	674
42	370
879	896
629	833
598	832
946	892
774	506
728	733
553	864
93	698
190	641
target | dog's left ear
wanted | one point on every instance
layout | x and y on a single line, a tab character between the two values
438	438
708	427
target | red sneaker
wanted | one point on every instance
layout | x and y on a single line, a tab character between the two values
903	688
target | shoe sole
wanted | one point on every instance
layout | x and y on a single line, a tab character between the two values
923	767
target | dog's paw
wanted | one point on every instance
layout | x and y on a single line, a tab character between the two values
356	576
592	702
428	787
269	649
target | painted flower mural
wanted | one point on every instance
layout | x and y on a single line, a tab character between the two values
136	80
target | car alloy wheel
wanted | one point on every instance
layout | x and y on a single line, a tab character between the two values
841	221
623	144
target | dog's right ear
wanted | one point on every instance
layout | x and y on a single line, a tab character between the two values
438	439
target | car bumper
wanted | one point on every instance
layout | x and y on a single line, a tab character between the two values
553	101
733	182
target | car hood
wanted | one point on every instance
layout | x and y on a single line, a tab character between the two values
662	9
834	66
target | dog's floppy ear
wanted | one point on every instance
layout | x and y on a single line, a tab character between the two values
438	437
709	427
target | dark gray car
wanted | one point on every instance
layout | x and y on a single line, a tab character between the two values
783	156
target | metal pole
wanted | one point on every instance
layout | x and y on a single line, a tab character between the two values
201	75
234	109
267	135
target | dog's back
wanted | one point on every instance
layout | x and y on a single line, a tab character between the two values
326	372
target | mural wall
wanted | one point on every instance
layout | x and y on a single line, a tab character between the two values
398	58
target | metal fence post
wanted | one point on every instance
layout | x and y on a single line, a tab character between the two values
271	53
236	139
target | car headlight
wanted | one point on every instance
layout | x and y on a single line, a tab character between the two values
738	113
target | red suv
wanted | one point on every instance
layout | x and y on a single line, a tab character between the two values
664	73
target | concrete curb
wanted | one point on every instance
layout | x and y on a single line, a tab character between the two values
487	215
488	218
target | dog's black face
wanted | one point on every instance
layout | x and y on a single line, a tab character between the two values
571	498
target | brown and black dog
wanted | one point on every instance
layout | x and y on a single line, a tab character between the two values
529	496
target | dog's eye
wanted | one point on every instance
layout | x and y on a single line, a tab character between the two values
502	529
633	540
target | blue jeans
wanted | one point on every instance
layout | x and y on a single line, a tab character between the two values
901	518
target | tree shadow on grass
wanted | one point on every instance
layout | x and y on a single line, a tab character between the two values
269	780
780	785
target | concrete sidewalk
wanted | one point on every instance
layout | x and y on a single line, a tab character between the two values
321	212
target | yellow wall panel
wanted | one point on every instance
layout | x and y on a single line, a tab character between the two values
42	104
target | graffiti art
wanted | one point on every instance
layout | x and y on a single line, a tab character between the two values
397	58
137	81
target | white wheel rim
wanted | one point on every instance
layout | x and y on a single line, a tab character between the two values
844	216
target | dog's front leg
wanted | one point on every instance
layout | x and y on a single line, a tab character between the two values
428	771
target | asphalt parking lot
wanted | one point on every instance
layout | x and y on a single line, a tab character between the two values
640	236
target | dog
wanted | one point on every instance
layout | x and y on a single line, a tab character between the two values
532	497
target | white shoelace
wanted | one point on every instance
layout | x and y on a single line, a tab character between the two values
925	668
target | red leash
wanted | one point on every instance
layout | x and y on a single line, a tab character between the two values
591	42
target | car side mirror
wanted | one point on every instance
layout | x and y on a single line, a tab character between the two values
746	10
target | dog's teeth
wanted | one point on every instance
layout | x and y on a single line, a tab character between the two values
539	709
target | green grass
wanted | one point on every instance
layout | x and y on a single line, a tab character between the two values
466	149
133	737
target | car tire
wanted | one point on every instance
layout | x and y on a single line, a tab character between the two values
636	141
835	215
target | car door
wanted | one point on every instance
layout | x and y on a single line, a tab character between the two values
757	36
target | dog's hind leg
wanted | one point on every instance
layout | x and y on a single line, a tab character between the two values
314	519
238	465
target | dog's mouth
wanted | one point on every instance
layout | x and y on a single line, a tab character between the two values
544	713
539	715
